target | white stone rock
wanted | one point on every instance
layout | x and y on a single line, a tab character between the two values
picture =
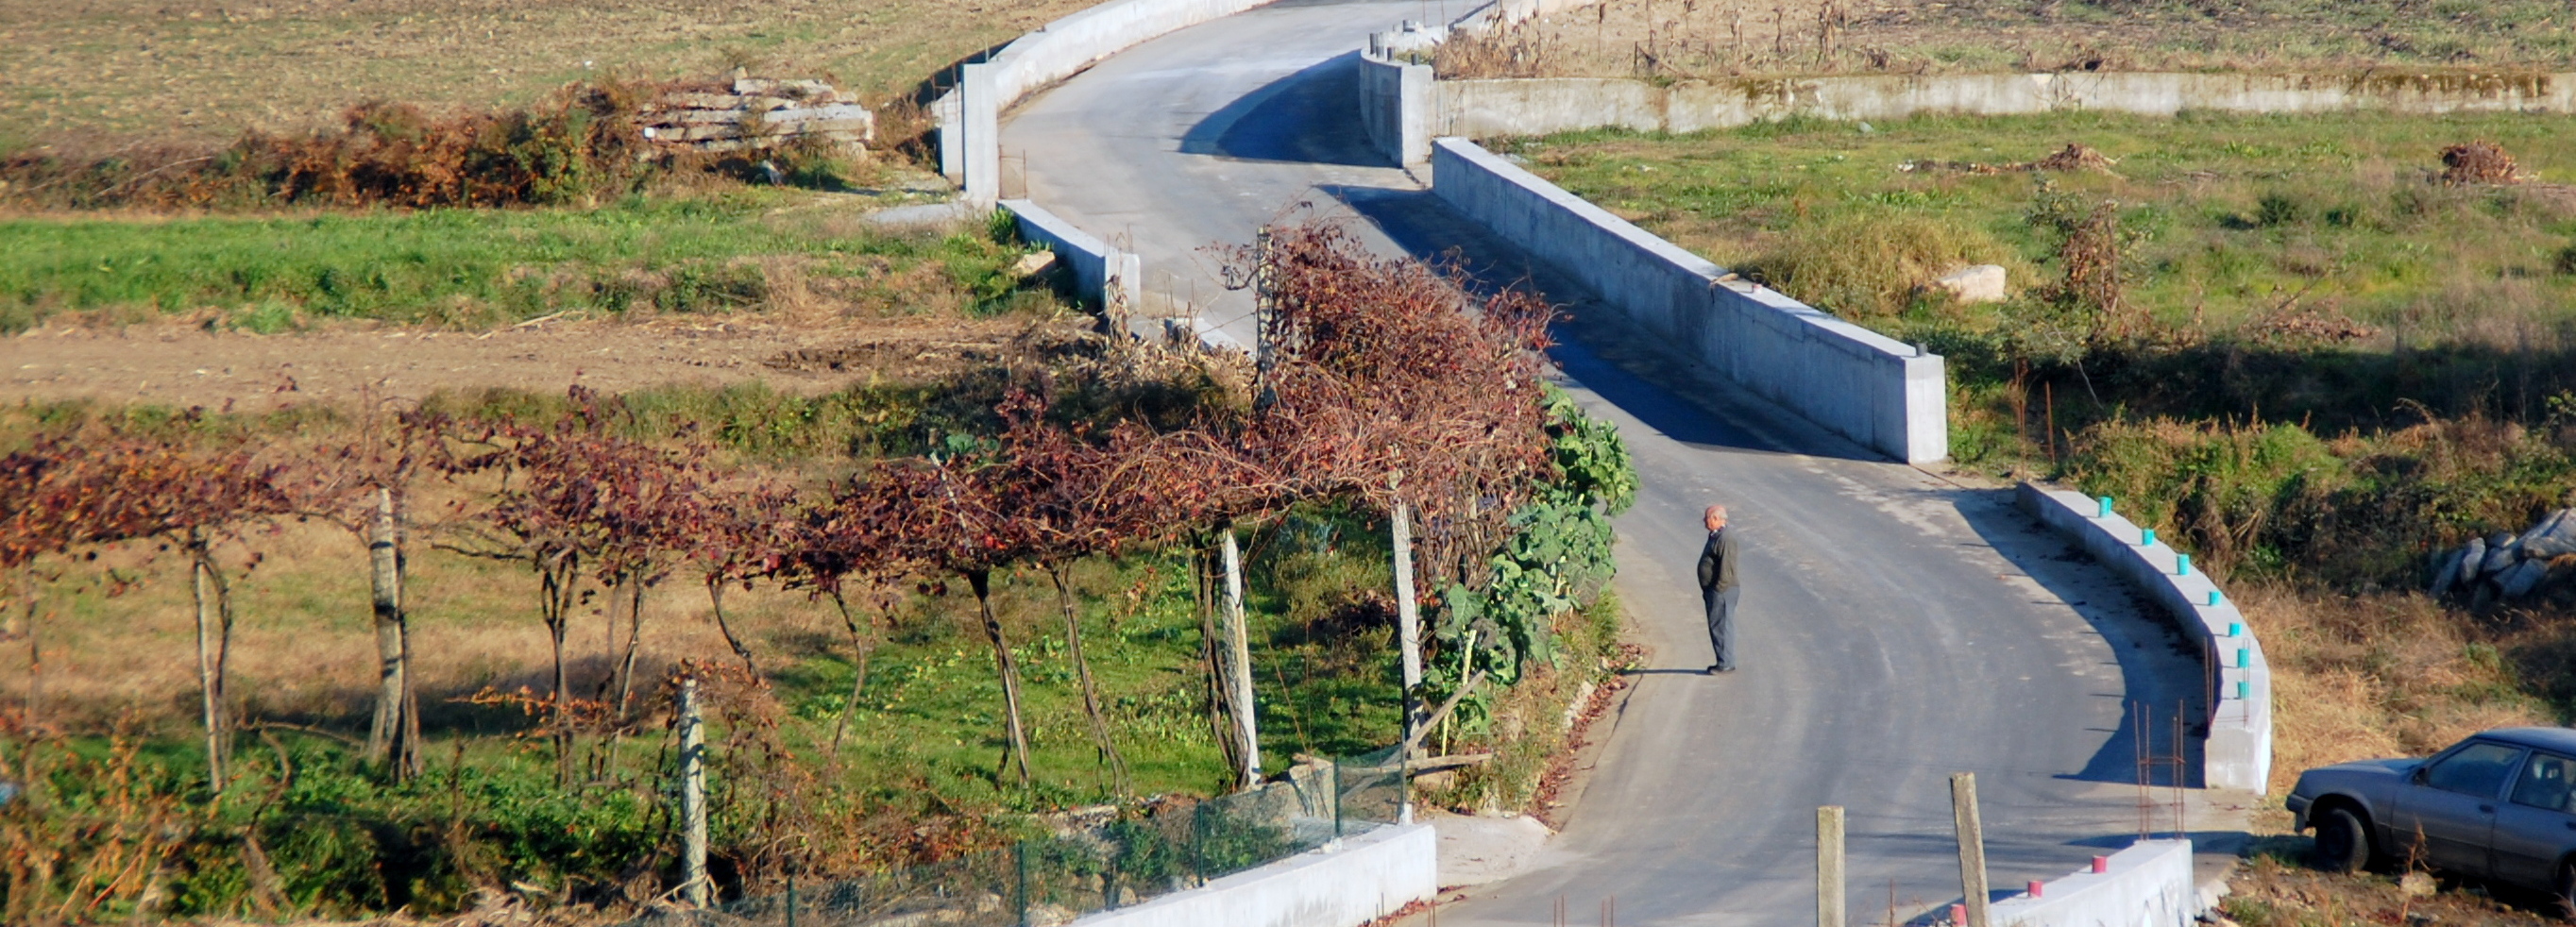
2446	571
2501	556
2471	557
1981	283
2523	579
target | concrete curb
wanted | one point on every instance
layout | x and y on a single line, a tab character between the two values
2147	885
1366	877
1103	275
2238	751
1888	396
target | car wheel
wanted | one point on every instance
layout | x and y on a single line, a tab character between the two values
2343	843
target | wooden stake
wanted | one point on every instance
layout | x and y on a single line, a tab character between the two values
693	795
1972	846
1408	620
1829	866
1239	665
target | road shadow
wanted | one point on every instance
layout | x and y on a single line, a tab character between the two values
1304	118
2161	671
1594	345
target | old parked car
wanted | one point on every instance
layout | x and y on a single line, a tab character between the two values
2495	806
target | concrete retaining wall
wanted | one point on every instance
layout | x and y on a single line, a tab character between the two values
2147	885
2238	752
1103	275
1369	876
1539	106
1888	396
1395	106
1054	52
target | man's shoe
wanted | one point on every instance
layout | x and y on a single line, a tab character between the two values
1714	669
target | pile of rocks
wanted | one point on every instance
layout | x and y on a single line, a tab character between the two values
2508	566
757	113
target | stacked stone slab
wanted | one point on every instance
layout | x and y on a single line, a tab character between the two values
758	113
2505	566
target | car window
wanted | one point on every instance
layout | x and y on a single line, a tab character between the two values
2478	769
2544	782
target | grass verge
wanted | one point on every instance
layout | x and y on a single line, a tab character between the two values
719	252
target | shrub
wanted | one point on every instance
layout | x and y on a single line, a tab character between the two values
1872	262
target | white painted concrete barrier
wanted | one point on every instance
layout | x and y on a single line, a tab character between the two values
969	114
1489	108
2147	885
1103	275
1860	384
1368	877
2238	751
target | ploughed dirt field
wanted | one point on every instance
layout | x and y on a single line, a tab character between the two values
185	365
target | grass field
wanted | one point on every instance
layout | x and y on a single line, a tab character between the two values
738	250
1734	38
204	68
2237	220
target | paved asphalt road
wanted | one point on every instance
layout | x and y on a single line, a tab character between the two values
1896	628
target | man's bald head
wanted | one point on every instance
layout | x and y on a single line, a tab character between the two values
1715	517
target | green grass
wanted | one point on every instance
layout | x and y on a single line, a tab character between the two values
2239	212
2213	405
706	253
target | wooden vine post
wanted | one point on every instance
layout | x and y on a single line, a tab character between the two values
1238	670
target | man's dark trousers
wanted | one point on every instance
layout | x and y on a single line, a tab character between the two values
1717	586
1721	625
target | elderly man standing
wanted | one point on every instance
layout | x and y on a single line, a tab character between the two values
1717	588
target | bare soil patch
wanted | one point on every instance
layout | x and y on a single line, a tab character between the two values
180	364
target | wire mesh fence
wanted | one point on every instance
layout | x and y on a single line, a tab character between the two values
1052	880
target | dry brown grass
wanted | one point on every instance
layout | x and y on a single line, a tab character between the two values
213	67
2391	674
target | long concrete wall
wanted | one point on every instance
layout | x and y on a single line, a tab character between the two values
1368	877
1540	106
2238	751
2147	885
1888	396
1054	52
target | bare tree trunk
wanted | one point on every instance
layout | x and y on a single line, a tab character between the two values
556	604
715	599
1082	669
1219	694
634	641
862	646
1009	668
1239	667
384	734
214	632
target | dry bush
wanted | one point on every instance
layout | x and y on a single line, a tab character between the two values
2478	162
579	141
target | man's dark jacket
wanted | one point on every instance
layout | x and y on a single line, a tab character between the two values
1717	562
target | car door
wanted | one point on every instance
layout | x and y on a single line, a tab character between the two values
2447	809
2535	828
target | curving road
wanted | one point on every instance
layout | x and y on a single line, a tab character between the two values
1896	627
